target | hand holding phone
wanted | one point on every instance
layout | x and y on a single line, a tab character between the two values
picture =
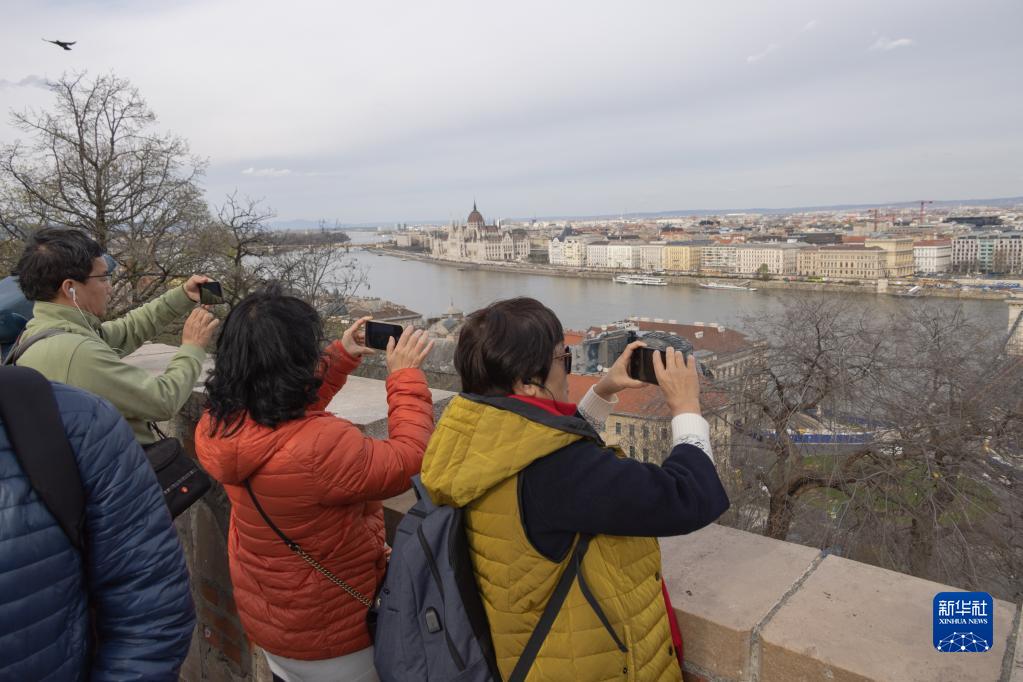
378	333
353	340
679	380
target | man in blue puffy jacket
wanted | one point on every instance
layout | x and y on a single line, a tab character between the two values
122	609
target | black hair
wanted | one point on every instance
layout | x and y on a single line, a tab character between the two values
268	361
51	256
508	341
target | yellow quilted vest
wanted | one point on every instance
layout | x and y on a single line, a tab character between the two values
473	461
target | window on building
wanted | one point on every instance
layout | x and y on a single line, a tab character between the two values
618	428
632	451
664	433
632	429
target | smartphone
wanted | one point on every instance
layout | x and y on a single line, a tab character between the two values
211	293
377	334
641	364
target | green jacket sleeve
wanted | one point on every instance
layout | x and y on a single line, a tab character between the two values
136	393
127	333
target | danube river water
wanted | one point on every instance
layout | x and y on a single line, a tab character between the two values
430	289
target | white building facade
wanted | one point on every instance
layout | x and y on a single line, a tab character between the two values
932	256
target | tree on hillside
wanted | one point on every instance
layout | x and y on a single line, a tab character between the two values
817	356
930	410
95	162
944	488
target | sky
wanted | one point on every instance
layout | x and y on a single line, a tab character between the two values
394	111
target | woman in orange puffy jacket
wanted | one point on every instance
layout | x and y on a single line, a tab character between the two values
317	478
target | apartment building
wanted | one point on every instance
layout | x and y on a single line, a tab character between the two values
651	256
932	256
622	255
596	255
718	258
845	261
682	256
1000	252
898	255
780	259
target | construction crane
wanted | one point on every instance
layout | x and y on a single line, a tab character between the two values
923	202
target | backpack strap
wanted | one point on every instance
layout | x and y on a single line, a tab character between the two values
550	612
32	420
23	344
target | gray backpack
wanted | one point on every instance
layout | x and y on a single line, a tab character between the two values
430	621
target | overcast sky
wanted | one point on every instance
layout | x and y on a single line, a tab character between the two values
405	111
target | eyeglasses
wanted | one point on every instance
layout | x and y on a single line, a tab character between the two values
566	357
111	266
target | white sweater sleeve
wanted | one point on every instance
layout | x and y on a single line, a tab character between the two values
692	429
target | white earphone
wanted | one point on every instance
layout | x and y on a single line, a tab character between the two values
74	296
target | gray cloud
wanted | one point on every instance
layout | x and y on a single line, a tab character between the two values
373	111
27	81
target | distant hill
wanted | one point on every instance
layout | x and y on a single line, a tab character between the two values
1003	202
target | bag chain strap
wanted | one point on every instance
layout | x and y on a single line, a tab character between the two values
294	547
358	596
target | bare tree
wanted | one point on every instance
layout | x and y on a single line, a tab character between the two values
894	439
817	354
95	163
323	274
236	244
939	496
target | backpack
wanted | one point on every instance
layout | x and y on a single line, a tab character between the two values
34	427
430	621
182	481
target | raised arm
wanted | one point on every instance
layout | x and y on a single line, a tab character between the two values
353	468
127	333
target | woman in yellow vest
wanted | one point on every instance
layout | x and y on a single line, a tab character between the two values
535	477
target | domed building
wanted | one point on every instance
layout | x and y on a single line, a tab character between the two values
478	242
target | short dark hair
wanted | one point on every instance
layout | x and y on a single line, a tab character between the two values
508	341
51	256
268	361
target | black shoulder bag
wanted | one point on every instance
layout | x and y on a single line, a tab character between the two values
182	481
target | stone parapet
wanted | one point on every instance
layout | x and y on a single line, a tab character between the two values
750	608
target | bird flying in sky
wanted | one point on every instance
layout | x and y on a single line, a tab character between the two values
66	45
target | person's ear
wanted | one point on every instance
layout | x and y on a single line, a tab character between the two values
67	287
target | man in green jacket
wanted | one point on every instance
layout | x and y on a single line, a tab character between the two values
68	277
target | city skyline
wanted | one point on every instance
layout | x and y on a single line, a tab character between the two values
365	114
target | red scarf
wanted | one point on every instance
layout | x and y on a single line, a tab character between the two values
553	406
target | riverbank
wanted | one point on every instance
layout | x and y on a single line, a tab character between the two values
696	280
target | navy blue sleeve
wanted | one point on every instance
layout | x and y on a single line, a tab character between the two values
584	488
138	580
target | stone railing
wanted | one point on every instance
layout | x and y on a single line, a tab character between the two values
750	608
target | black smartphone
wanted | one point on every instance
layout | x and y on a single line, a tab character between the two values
211	293
641	364
377	334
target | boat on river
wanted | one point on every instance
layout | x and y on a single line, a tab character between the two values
640	279
732	287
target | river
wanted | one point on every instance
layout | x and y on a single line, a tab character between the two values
430	289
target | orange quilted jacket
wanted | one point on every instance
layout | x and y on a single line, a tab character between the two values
321	481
